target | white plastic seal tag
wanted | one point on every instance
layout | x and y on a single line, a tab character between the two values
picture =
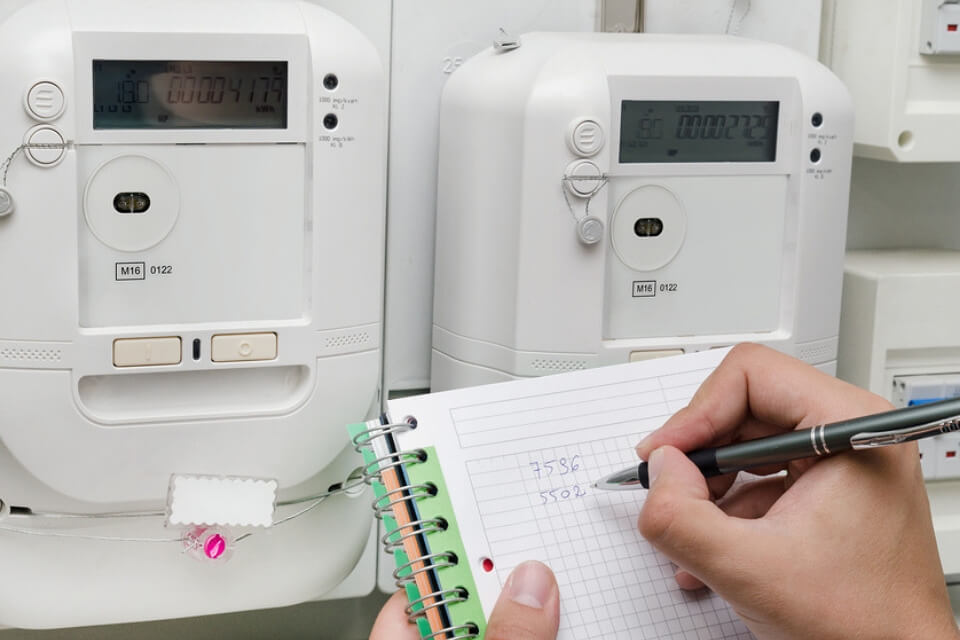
221	501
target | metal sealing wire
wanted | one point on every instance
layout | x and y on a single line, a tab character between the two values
432	561
5	165
417	527
442	597
364	438
415	492
7	513
470	630
603	179
373	470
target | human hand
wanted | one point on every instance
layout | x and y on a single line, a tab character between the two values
841	547
528	609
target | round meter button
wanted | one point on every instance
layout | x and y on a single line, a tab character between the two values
583	178
45	101
45	146
6	202
586	138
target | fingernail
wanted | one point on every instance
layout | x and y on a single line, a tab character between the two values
530	584
641	443
654	462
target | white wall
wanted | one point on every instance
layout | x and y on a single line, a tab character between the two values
896	206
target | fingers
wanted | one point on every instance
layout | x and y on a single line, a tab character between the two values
753	498
528	607
391	623
687	581
679	519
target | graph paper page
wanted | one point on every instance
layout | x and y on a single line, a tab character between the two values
519	460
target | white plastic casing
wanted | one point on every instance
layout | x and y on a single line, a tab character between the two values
264	232
898	338
431	40
905	97
760	259
940	27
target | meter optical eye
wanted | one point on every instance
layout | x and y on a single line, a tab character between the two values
648	227
131	202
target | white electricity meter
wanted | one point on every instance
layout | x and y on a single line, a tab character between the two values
191	283
613	197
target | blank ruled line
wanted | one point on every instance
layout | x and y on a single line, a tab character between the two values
538	401
535	416
572	428
633	392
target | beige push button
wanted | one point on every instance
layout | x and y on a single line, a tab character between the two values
244	346
637	356
146	352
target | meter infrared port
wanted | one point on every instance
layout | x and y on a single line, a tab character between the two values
131	202
648	227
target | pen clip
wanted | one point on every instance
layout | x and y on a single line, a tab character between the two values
871	440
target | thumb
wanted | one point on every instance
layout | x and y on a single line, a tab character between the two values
528	607
680	520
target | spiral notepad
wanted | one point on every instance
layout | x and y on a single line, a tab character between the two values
472	482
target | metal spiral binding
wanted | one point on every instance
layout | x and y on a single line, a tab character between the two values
430	562
396	538
416	528
373	470
406	493
463	632
442	597
364	438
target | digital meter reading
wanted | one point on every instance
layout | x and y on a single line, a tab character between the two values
698	131
183	94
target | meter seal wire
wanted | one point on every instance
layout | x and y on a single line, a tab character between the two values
9	513
5	165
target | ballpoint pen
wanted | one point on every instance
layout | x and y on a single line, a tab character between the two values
867	432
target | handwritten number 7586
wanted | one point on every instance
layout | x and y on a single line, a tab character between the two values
560	466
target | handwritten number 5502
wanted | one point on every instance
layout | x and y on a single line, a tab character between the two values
558	495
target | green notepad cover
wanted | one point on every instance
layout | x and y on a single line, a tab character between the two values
438	506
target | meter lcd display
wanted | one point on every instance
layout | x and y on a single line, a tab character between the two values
183	94
698	131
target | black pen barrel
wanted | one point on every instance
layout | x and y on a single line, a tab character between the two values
766	451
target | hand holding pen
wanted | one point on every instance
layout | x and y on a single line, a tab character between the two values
865	432
808	554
